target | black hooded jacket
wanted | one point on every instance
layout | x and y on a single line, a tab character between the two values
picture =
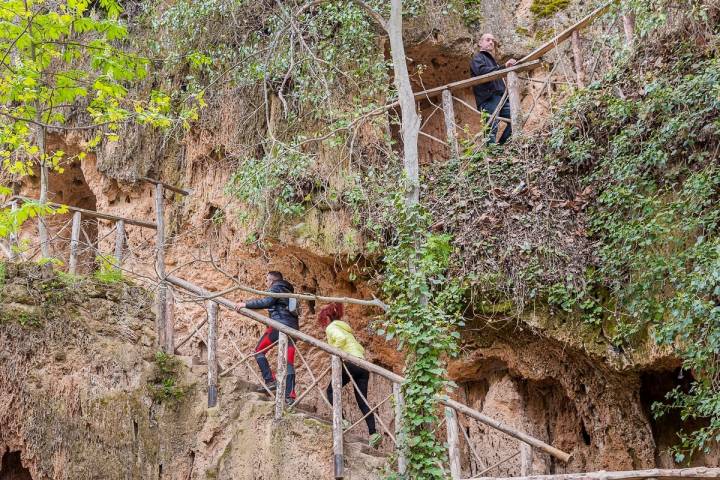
278	308
483	63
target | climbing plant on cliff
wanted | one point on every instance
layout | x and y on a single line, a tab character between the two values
647	141
423	313
64	68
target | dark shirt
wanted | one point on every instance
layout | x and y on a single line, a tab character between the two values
278	308
483	63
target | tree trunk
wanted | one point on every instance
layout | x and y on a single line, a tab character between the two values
410	123
40	132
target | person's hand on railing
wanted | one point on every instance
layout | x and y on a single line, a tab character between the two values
239	306
510	63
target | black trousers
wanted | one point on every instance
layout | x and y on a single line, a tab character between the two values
361	377
489	106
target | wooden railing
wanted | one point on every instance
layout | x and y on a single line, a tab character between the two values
513	81
337	359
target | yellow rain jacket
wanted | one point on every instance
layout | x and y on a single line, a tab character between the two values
339	335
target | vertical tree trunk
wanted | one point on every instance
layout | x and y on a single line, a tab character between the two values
410	124
40	132
42	228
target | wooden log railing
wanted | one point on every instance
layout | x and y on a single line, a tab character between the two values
338	358
653	473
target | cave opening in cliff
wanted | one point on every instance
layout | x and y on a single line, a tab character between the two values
70	188
539	407
654	388
12	467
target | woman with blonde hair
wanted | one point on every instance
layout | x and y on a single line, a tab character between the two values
340	335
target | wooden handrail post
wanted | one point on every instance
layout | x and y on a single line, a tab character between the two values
119	242
629	27
513	86
453	443
170	319
399	407
13	236
280	376
161	317
74	242
526	459
338	460
212	353
577	55
450	131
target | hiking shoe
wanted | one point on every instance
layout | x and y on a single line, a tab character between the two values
345	424
289	401
272	386
375	440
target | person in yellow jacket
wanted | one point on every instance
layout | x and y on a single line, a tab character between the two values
340	335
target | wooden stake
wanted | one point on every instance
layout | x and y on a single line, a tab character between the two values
13	236
577	55
280	376
513	86
450	132
212	353
170	319
119	242
453	443
526	459
160	268
399	407
337	417
74	242
629	28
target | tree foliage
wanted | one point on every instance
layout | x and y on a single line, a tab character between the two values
64	67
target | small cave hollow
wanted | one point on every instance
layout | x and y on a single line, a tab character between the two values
654	387
541	408
70	188
12	467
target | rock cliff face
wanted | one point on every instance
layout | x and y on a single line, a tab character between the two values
83	395
77	363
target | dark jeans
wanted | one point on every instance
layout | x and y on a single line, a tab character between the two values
489	106
269	337
361	377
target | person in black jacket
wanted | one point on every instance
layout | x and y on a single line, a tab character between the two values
285	311
488	95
